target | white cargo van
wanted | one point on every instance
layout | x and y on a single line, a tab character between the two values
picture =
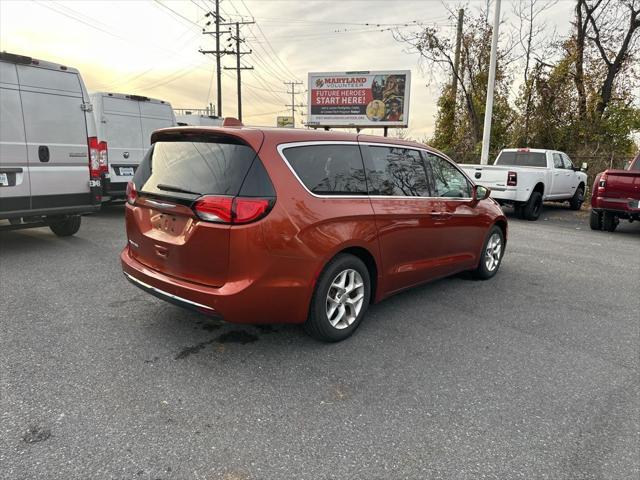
49	160
189	119
125	123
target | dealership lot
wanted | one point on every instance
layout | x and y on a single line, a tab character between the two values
533	374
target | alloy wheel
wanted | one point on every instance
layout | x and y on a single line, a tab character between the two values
345	298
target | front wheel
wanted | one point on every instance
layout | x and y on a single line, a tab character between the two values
65	227
340	299
491	256
576	201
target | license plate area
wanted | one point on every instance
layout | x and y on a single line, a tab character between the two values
126	171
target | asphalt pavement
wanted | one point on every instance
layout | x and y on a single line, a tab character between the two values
533	374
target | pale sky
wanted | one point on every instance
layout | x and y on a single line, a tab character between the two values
142	47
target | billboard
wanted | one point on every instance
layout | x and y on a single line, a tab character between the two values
359	99
284	122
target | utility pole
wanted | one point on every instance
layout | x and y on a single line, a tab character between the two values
456	62
217	52
488	110
293	93
239	68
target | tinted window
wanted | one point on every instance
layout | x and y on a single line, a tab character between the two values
329	169
198	167
447	180
567	162
522	159
396	171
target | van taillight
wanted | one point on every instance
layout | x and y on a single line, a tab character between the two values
131	194
512	179
103	157
232	210
94	157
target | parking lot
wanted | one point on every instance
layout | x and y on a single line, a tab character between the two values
533	374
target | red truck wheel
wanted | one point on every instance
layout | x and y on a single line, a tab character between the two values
595	220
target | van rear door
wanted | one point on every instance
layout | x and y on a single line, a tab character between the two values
56	137
154	115
15	188
123	134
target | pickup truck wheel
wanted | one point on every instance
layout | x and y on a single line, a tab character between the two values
533	207
576	201
66	226
340	299
609	222
595	220
491	255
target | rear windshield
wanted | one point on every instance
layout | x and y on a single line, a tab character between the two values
194	168
522	159
635	164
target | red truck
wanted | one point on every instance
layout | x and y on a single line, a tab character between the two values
615	194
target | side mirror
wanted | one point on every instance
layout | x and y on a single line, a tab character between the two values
480	193
585	166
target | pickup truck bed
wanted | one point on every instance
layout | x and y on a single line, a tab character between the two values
615	195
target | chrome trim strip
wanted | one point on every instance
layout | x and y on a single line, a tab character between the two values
284	146
166	294
159	204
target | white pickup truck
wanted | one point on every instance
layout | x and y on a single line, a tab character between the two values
526	177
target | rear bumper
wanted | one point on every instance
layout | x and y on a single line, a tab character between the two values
506	195
169	297
265	300
624	207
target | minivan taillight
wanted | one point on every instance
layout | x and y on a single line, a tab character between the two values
94	160
132	193
232	210
512	179
103	157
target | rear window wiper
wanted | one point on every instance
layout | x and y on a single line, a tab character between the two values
171	188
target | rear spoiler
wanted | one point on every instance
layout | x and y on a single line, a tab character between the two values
13	58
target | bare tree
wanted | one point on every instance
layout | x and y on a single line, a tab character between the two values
532	37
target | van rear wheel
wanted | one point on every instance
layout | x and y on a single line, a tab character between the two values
65	227
340	299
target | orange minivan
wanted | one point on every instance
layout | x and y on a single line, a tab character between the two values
258	225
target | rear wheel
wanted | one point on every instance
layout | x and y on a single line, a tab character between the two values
609	222
532	209
595	220
65	227
491	256
578	197
340	299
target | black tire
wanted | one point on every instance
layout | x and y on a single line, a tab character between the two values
609	222
595	220
318	325
483	272
65	227
578	198
533	208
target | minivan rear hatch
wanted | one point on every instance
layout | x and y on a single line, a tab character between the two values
164	232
